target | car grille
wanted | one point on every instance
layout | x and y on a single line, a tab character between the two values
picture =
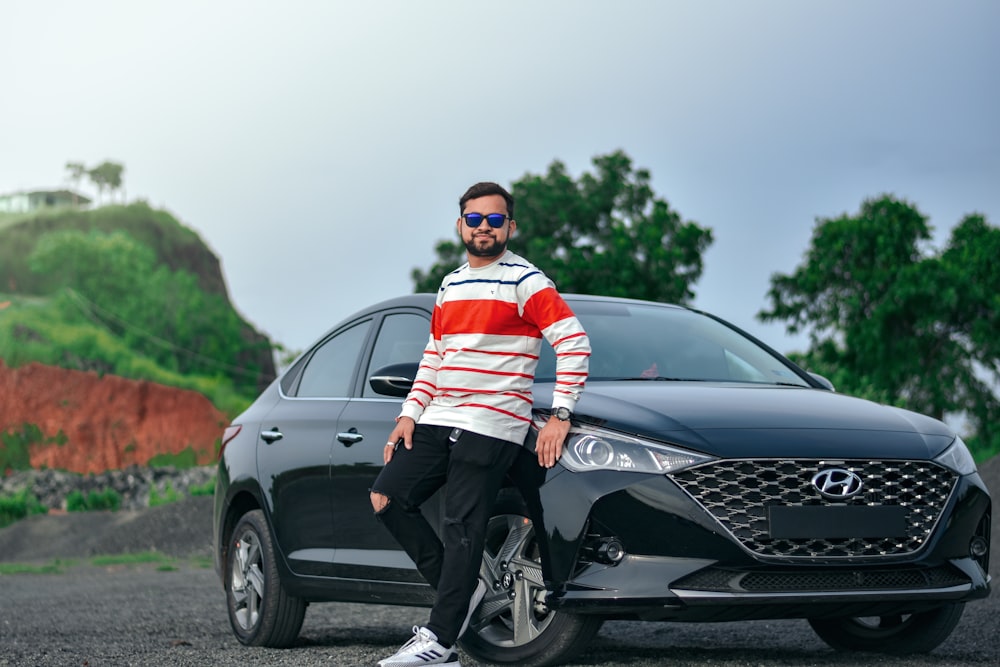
730	581
739	493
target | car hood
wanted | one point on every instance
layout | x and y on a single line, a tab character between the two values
741	420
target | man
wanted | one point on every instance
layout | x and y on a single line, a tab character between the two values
468	413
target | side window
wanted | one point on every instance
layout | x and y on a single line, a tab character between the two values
402	338
330	369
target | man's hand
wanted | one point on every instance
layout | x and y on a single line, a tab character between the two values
550	442
404	432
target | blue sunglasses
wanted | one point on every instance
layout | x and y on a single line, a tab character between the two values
495	220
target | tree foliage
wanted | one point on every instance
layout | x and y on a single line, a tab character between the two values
75	171
895	320
180	261
164	314
57	332
107	176
606	233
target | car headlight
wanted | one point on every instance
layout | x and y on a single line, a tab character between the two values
958	458
589	449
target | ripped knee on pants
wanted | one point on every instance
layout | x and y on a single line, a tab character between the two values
457	527
380	502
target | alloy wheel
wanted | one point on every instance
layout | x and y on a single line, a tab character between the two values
247	583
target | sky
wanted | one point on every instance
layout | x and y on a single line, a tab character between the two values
320	148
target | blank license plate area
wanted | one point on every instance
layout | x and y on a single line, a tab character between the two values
835	522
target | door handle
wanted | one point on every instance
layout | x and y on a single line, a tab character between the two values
271	436
350	437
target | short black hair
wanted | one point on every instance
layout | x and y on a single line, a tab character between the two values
485	189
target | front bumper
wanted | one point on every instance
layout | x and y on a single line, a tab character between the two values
659	588
681	563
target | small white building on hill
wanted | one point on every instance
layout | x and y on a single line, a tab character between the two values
26	202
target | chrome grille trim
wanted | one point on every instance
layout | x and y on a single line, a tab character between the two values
738	492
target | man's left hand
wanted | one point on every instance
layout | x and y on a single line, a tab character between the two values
550	442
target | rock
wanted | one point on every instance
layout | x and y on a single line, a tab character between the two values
135	486
90	423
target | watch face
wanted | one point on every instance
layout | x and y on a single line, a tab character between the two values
563	414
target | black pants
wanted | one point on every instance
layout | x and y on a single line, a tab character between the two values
474	467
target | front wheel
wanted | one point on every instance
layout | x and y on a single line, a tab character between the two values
897	634
260	611
514	625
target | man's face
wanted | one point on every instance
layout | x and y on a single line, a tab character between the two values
485	240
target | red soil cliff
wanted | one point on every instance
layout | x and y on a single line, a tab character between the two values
108	422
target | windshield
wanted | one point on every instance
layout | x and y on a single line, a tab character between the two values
650	342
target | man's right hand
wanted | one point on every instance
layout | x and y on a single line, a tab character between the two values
404	432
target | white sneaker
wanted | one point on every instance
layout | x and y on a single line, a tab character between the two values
477	597
422	649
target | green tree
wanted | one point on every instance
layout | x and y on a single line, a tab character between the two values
76	172
108	269
607	233
891	319
107	176
163	314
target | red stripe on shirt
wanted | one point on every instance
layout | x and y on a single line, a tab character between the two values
419	390
460	392
486	371
545	307
496	352
483	317
566	338
495	409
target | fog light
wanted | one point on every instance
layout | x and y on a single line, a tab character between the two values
978	547
611	551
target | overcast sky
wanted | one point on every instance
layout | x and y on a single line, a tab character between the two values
319	148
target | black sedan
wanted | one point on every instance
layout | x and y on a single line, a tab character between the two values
706	478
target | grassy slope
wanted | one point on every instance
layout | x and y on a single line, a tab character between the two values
55	330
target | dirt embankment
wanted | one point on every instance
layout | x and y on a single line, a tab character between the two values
90	423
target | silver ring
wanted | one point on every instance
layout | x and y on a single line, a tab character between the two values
390	444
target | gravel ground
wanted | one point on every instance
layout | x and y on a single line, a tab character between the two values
182	529
141	615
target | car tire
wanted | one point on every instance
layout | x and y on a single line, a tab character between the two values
528	634
897	634
261	613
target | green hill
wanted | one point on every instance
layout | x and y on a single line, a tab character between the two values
128	290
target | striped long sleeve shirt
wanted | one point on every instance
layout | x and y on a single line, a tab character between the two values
486	334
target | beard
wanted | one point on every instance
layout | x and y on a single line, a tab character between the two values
494	249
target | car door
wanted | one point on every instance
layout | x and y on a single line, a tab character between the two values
294	451
365	549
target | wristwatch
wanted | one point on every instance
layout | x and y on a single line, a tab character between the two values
562	414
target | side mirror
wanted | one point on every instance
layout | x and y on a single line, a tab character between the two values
394	379
822	380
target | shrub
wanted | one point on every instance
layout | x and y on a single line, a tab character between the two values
186	458
206	489
108	499
15	445
18	506
170	495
